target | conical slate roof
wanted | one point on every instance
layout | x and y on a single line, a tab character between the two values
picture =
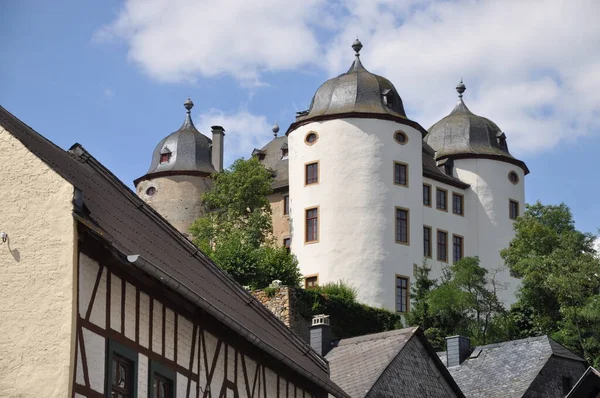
465	134
190	151
356	91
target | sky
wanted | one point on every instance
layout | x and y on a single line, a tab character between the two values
113	75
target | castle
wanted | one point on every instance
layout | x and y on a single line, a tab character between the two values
361	192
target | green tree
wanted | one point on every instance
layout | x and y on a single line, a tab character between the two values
236	230
560	279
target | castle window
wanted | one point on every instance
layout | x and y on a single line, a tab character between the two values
122	370
457	248
401	137
162	381
312	225
151	191
402	227
311	281
513	177
165	157
442	245
311	138
427	241
513	209
287	243
312	173
402	294
286	205
427	195
284	153
441	199
401	174
458	203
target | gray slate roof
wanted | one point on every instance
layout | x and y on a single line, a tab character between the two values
190	152
357	363
274	161
506	369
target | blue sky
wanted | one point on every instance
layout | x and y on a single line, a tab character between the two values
113	75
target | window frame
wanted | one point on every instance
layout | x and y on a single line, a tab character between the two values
308	134
306	210
286	205
289	239
429	199
437	245
166	155
405	137
430	251
114	347
311	276
407	243
406	178
406	293
166	373
462	247
510	203
306	183
516	175
437	206
462	203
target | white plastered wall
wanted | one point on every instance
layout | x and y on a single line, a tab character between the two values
357	199
37	276
492	229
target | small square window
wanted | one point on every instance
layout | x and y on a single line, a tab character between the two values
312	173
311	282
165	157
287	243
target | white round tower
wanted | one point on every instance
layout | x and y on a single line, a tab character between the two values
476	150
353	159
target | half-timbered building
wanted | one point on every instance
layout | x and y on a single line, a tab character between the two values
101	297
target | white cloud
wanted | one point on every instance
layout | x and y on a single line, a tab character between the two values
177	40
530	65
243	131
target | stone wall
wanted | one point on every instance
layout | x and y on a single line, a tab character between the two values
283	303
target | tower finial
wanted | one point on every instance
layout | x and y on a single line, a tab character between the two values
275	129
460	88
188	104
357	46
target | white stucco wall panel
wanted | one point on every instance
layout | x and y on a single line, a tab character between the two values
184	340
38	280
88	271
79	378
144	320
95	352
157	314
98	314
142	375
130	302
357	197
170	334
116	288
181	386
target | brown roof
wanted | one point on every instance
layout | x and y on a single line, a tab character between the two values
131	227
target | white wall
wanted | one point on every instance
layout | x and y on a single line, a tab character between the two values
37	276
357	198
492	229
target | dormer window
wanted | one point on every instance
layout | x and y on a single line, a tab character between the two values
502	141
165	155
387	97
284	153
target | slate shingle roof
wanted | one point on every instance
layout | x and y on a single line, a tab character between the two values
130	226
357	363
506	369
275	162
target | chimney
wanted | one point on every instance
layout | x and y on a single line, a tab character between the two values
458	348
320	334
218	133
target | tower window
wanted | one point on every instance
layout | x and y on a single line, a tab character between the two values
426	195
513	209
401	174
311	138
151	191
441	199
402	227
442	245
284	153
312	173
286	205
312	225
457	248
401	137
513	177
427	241
402	294
458	203
165	157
